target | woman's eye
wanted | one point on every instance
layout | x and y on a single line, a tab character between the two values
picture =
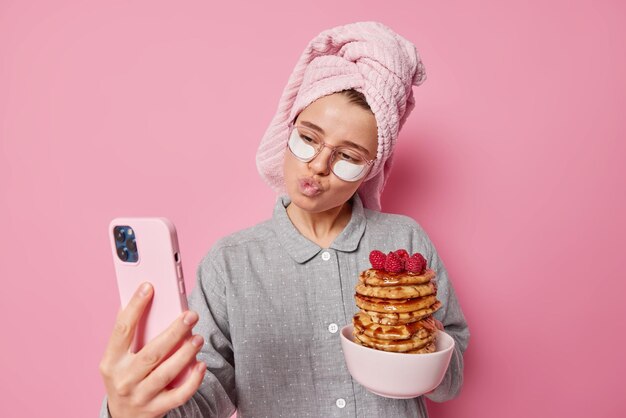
347	157
306	139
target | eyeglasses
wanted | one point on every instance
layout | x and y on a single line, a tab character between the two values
347	163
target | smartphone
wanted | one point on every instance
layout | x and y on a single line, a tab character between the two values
145	249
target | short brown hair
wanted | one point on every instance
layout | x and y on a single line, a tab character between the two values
354	97
357	98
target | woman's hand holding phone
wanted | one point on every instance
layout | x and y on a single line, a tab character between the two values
136	382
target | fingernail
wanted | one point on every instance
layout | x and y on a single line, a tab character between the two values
145	289
190	318
197	340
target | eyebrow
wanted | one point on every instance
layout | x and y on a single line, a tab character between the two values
345	141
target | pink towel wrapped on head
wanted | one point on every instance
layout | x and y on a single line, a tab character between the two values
365	56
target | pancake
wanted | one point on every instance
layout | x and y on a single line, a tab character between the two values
398	305
396	346
364	324
429	348
402	318
375	277
397	292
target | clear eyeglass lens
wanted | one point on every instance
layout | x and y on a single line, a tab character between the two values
347	164
301	148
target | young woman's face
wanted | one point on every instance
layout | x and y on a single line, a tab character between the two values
341	121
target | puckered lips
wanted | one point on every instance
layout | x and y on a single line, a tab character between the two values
309	186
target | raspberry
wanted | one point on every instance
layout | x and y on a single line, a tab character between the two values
393	263
421	257
377	258
416	263
402	253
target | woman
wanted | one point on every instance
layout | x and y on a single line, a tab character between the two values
269	300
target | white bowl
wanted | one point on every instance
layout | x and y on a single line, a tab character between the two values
396	375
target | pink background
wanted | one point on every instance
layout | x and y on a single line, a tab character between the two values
512	161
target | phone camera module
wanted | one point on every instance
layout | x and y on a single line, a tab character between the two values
125	243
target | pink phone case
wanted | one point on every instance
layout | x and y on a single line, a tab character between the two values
158	262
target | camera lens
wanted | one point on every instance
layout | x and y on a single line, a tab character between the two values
122	253
131	244
119	234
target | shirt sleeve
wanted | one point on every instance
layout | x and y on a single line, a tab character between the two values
451	315
216	396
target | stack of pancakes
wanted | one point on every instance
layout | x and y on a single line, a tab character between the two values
396	311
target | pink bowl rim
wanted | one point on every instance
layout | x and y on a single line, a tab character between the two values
390	353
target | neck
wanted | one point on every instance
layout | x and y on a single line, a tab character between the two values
321	227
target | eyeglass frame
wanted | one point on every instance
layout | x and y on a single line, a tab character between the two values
333	151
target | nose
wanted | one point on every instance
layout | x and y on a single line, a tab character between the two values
321	163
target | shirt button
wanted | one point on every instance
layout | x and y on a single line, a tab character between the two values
341	403
325	256
333	328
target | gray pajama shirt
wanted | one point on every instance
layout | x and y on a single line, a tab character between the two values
271	303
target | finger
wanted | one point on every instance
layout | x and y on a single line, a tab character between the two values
173	398
171	367
126	322
153	353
